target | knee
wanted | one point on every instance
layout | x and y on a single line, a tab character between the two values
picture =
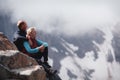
46	48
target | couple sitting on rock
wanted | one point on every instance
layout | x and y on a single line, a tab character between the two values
26	42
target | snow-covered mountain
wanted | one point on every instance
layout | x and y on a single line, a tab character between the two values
92	56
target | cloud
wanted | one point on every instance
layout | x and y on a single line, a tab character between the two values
70	17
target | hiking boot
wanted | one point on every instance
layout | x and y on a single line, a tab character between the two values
39	62
46	63
52	72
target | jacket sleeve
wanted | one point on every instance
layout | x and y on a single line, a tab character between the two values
39	42
29	49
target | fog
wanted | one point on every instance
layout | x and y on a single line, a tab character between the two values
69	17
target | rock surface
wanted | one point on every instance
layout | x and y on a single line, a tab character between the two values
5	44
14	65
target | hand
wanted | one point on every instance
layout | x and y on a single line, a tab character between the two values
28	37
41	48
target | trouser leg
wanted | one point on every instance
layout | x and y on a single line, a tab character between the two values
39	55
45	54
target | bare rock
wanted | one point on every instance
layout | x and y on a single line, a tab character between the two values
15	65
5	44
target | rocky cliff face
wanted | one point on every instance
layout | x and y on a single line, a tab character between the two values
15	65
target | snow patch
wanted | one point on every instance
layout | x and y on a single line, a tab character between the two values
27	71
8	52
66	53
54	49
50	60
1	32
71	46
72	67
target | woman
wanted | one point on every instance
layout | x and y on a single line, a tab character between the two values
35	48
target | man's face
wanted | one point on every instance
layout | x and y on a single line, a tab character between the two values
24	26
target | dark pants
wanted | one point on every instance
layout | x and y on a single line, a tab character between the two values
39	55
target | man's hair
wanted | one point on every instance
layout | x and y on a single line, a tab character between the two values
20	23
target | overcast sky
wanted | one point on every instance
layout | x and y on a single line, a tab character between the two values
64	16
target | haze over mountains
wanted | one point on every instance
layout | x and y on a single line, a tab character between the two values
83	37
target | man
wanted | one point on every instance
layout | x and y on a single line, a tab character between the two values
20	35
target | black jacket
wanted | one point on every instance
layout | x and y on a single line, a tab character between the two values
19	38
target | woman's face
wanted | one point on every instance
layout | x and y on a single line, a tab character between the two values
33	34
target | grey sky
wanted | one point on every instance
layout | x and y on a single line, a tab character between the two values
64	16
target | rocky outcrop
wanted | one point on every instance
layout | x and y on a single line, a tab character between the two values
5	44
14	65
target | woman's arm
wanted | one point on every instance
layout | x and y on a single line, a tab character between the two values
39	42
29	49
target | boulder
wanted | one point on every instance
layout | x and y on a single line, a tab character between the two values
5	44
15	65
